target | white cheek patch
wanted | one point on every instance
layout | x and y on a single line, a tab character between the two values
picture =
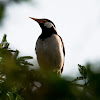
48	24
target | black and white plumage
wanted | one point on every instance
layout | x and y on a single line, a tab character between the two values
49	47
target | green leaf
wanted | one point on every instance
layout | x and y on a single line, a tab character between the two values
16	53
0	45
18	97
6	45
11	96
83	71
25	58
4	38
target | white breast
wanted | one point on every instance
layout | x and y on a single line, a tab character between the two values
49	53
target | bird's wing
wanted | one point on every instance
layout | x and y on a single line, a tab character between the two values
36	44
63	48
35	48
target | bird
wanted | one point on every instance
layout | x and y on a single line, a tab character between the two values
49	47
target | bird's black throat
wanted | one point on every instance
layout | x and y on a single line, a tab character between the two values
47	32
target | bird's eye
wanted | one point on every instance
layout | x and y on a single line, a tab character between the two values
44	21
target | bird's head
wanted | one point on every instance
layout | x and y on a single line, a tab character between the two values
44	23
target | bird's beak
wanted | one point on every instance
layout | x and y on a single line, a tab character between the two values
38	20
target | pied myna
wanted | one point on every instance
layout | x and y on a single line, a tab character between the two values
50	49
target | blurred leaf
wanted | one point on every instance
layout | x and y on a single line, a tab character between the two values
2	10
16	53
4	38
0	45
4	3
82	71
18	97
20	0
11	96
25	58
4	43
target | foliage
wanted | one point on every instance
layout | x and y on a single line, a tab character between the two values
17	82
3	4
13	70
